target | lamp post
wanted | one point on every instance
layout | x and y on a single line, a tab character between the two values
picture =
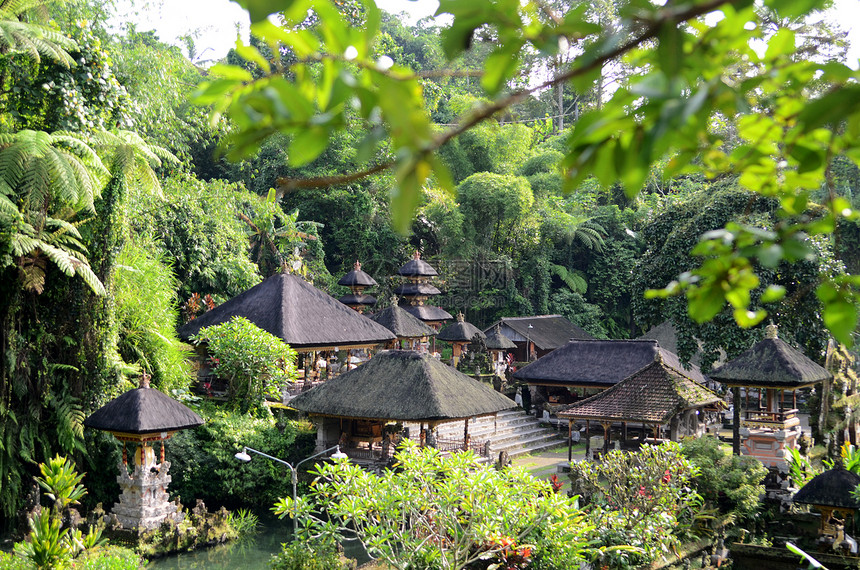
529	343
294	475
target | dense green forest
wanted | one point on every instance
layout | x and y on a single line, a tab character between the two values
127	206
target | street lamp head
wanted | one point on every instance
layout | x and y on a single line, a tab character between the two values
243	456
338	454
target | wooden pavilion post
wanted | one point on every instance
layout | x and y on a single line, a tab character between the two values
587	437
624	431
569	440
607	430
466	434
736	420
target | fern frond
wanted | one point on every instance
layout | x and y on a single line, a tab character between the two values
574	279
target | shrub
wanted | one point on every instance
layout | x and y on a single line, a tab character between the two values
729	482
203	465
304	556
443	511
635	498
253	362
545	162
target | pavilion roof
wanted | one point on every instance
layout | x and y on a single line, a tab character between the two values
417	267
357	278
357	299
830	489
771	363
497	341
301	315
141	411
600	363
413	289
653	394
548	332
427	313
459	331
402	385
401	323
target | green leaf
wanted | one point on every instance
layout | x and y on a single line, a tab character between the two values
500	66
792	8
773	293
746	319
259	10
670	50
252	54
233	72
840	316
307	145
831	108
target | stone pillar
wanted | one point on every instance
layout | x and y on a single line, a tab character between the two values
143	502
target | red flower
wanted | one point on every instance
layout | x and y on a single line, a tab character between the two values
667	476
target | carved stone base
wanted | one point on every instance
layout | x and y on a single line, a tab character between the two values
144	503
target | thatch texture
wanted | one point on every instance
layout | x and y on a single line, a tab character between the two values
415	289
497	341
771	363
654	394
830	489
417	267
357	278
402	385
599	363
548	332
357	299
401	323
427	313
143	410
460	331
297	312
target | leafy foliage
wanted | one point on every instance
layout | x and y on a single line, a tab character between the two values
203	465
441	511
253	362
635	497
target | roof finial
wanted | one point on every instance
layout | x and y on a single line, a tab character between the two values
394	300
416	255
659	358
357	265
771	331
461	317
144	380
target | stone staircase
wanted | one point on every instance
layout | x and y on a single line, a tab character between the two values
513	431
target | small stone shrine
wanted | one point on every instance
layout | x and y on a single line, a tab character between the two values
143	417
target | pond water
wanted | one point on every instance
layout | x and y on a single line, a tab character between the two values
249	553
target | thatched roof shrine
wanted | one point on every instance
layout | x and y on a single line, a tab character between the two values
427	313
357	299
599	363
547	332
292	309
460	331
653	394
771	363
357	278
416	289
141	411
401	323
830	489
402	385
497	341
417	267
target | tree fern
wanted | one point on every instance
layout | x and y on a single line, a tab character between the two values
34	39
574	278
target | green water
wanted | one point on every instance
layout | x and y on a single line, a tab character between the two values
249	553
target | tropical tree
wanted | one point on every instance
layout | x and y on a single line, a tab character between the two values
689	76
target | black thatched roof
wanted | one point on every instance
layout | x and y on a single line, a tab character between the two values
771	363
357	278
830	489
497	341
402	385
654	394
417	267
548	332
413	289
143	410
401	323
427	313
353	299
461	331
294	310
600	363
